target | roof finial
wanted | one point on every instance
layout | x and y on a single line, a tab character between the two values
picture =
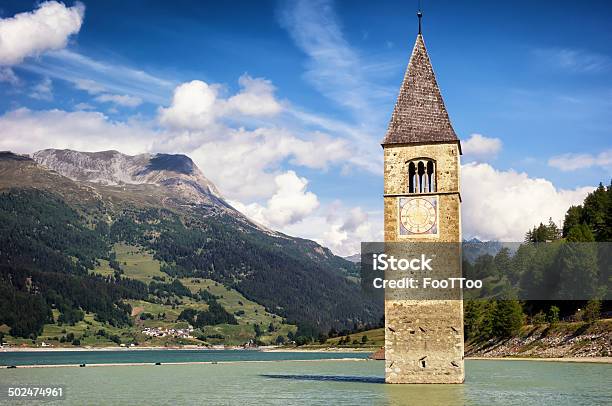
420	15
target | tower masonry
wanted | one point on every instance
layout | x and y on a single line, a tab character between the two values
422	203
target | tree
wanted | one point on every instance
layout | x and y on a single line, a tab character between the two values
508	318
485	267
580	233
503	261
478	319
594	211
364	339
302	340
592	311
578	271
553	232
553	315
573	217
543	233
280	340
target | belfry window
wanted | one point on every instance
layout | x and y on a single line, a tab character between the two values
421	176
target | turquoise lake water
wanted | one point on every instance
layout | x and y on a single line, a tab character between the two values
153	356
323	382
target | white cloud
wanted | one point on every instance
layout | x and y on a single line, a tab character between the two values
574	60
344	75
255	99
83	106
480	147
94	88
194	106
334	67
43	90
121	100
95	76
334	226
89	86
290	203
355	218
8	75
197	105
244	163
339	228
503	205
26	131
31	33
572	162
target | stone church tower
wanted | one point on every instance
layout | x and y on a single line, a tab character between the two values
423	338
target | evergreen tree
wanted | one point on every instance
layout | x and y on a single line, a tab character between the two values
592	311
573	217
580	233
578	272
508	318
553	315
595	211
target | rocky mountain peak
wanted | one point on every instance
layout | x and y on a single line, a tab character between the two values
175	171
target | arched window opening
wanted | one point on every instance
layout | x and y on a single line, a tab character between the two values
422	176
411	177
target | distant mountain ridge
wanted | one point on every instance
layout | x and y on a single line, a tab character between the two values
175	171
355	258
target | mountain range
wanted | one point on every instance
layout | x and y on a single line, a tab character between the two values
65	213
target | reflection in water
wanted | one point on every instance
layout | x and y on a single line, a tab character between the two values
433	394
394	394
332	378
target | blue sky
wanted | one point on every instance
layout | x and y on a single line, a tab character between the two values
295	142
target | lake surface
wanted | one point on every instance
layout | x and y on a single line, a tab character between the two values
152	356
324	382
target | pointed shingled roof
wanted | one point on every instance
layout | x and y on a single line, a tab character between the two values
419	115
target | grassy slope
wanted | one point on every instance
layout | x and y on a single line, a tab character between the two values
233	302
136	262
139	264
85	330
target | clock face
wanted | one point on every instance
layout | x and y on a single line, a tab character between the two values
418	215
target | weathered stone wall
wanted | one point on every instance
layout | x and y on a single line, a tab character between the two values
424	338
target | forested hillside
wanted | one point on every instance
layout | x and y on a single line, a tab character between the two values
558	273
59	260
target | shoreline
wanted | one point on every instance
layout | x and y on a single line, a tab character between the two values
589	360
184	348
140	364
593	360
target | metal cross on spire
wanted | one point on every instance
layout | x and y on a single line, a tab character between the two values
420	16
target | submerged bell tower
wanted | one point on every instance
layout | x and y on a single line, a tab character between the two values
423	338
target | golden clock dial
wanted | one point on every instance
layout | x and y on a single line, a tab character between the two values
418	216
